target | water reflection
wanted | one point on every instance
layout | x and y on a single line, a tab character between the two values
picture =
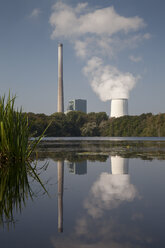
119	165
60	168
110	190
14	190
107	193
78	168
100	209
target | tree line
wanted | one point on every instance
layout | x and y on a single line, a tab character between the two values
76	123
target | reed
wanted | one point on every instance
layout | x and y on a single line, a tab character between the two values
14	133
16	149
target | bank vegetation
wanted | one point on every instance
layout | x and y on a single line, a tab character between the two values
76	123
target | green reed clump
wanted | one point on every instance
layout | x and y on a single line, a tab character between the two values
14	133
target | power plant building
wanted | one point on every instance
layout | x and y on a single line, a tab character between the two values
77	105
119	107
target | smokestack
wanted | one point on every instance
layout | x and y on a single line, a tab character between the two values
60	104
60	166
119	107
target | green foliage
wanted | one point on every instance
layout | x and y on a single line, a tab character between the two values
145	125
15	145
90	129
15	154
14	132
75	120
76	123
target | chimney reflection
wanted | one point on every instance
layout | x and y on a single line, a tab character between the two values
60	168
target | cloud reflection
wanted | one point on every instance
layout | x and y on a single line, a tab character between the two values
108	192
92	230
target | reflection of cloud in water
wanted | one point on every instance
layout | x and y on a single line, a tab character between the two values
108	192
78	244
100	233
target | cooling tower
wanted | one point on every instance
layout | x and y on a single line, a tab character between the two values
119	107
119	165
60	103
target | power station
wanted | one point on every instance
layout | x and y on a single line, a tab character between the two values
77	105
119	107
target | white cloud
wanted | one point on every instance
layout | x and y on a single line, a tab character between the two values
81	48
96	34
66	22
35	13
135	59
81	7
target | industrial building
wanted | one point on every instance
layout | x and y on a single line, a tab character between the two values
119	107
77	105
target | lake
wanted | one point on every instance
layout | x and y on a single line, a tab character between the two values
99	193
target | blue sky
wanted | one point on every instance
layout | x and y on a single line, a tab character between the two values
134	50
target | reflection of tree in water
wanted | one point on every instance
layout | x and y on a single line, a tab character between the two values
73	156
14	190
146	150
99	150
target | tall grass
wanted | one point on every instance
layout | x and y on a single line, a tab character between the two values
14	133
15	157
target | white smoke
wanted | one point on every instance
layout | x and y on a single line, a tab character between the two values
107	81
98	33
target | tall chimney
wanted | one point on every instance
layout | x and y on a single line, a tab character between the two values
60	104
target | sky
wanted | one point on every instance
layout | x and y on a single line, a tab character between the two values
112	49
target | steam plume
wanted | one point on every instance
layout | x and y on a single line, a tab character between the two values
107	81
94	33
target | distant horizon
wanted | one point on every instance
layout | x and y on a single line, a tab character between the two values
95	112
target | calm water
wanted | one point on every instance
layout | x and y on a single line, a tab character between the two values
99	196
106	138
